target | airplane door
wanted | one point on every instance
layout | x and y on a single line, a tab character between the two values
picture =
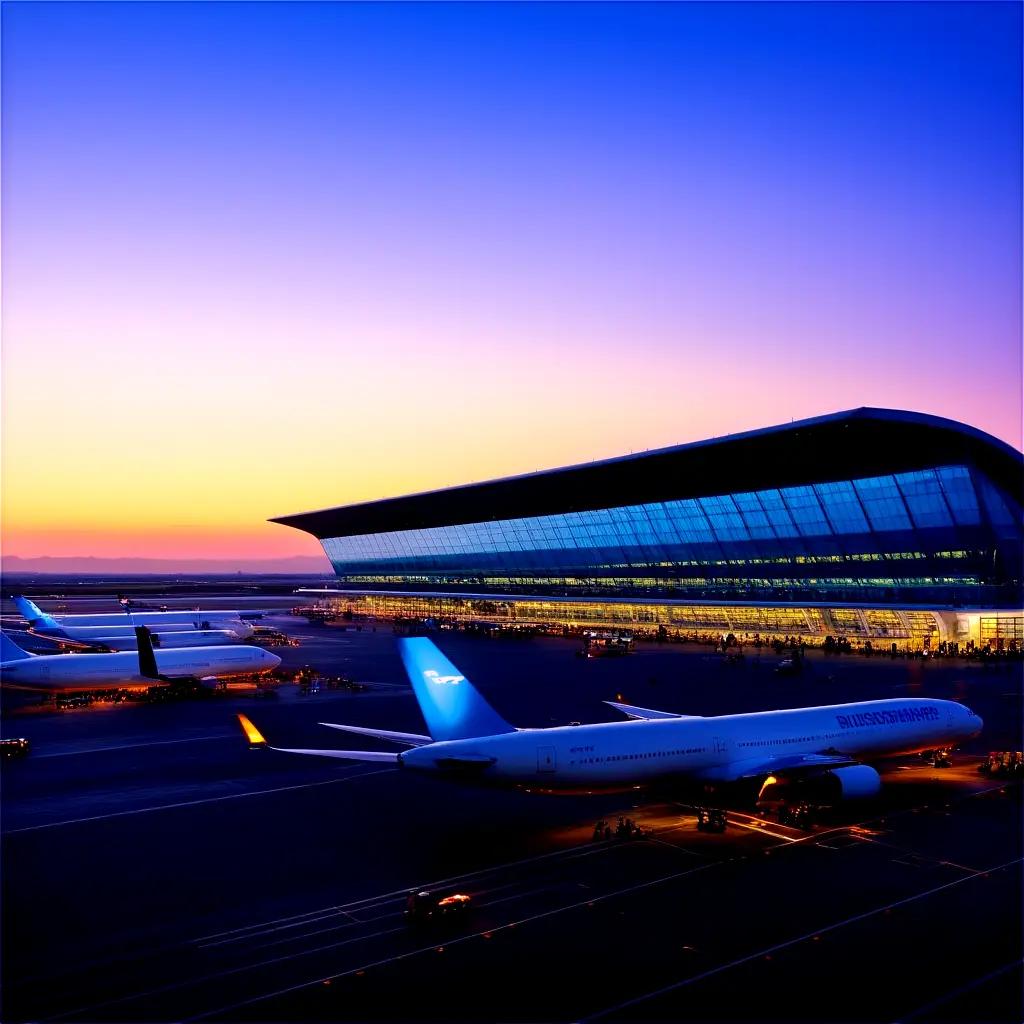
719	742
545	759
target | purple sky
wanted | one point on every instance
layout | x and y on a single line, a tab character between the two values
263	258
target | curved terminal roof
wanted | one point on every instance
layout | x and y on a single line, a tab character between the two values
857	443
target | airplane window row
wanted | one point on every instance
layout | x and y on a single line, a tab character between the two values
641	757
777	742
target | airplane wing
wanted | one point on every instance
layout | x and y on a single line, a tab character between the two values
410	739
791	765
63	641
255	738
645	714
346	755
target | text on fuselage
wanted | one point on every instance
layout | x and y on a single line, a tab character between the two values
925	714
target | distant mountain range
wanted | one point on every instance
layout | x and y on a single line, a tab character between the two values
89	565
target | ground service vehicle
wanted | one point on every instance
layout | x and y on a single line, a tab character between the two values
12	748
1003	763
605	645
424	905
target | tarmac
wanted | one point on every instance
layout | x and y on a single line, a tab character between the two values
156	868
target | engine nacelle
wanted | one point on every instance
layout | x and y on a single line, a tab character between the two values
856	782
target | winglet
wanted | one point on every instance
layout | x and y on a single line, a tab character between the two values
252	734
147	659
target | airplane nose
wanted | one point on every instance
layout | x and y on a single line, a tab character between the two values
274	659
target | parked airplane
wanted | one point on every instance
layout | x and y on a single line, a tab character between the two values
88	634
42	622
469	741
161	640
21	670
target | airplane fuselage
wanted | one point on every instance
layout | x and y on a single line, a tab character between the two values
165	641
99	671
217	619
240	630
638	753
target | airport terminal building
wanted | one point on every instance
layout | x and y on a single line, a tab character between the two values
875	525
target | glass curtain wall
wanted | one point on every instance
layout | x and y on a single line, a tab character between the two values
925	529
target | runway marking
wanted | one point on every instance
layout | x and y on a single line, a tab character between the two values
596	899
520	895
390	914
762	830
133	746
427	949
373	903
670	846
370	900
968	987
711	972
752	822
335	945
914	859
194	803
312	916
315	917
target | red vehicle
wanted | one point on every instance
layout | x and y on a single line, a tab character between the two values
430	906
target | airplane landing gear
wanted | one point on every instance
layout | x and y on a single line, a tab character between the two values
710	819
938	759
796	815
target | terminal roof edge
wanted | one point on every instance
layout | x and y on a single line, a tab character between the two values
855	443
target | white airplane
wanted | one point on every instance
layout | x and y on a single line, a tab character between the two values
128	641
85	634
469	741
20	670
43	623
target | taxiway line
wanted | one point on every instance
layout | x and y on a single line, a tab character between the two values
371	900
459	940
768	950
134	746
193	803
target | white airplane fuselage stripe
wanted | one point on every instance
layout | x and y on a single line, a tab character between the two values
712	749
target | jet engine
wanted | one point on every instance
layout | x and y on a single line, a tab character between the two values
856	782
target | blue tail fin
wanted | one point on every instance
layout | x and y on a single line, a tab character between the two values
452	708
10	651
35	615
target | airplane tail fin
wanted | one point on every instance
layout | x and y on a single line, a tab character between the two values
147	659
35	615
452	708
10	651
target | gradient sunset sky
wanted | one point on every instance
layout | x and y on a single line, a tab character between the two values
266	258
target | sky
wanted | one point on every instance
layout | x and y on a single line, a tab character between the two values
263	258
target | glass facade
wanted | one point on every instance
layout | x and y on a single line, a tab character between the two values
880	626
931	534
